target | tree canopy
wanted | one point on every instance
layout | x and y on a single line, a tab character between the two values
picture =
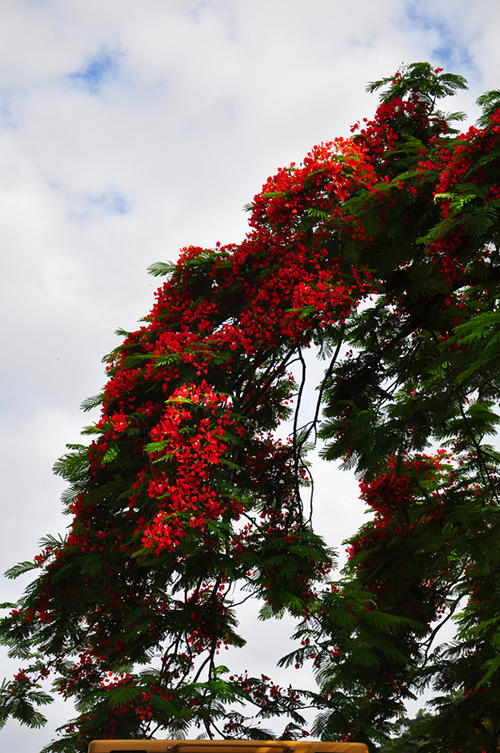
381	251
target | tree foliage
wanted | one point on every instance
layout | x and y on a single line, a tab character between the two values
381	251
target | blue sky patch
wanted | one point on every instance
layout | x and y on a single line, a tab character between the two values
98	70
450	51
95	206
8	120
108	202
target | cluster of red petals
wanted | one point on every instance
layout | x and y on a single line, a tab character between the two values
186	497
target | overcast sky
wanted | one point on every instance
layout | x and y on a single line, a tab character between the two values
130	128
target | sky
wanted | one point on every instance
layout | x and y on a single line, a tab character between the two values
130	129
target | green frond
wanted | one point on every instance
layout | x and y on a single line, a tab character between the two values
92	402
490	102
162	268
19	569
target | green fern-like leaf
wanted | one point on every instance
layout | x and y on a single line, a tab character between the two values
161	268
92	402
20	569
120	696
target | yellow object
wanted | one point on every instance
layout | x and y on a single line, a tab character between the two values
222	746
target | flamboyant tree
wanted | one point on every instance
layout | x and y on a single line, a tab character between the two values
382	252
